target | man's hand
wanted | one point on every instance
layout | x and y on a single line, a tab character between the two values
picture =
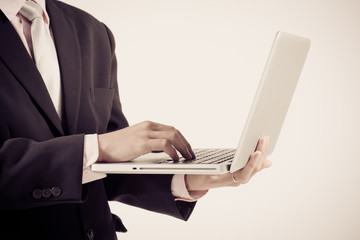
256	163
142	138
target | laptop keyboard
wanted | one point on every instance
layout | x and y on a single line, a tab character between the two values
210	156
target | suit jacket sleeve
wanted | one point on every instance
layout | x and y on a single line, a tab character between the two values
28	166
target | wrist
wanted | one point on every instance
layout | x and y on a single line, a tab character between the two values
180	190
101	148
197	182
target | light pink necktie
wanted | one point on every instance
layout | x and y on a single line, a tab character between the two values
44	52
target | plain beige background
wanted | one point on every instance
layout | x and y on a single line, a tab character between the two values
195	64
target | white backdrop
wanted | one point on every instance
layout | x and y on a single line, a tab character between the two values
195	64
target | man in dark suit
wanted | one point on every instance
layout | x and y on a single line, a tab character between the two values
43	194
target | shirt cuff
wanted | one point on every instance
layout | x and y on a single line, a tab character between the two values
91	154
180	192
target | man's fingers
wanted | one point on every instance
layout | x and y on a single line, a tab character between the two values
161	131
267	163
165	146
163	127
187	144
244	175
263	145
264	164
157	126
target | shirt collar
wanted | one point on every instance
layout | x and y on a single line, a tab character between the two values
11	7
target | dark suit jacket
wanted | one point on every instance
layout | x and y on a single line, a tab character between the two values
41	157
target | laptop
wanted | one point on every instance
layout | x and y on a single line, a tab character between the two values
265	118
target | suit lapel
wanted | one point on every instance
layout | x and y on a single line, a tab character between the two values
15	56
68	51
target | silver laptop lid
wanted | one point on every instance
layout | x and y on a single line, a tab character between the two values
273	96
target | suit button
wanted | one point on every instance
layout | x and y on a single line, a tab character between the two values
56	191
37	193
90	234
46	193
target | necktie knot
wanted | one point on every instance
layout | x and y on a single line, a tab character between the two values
31	10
